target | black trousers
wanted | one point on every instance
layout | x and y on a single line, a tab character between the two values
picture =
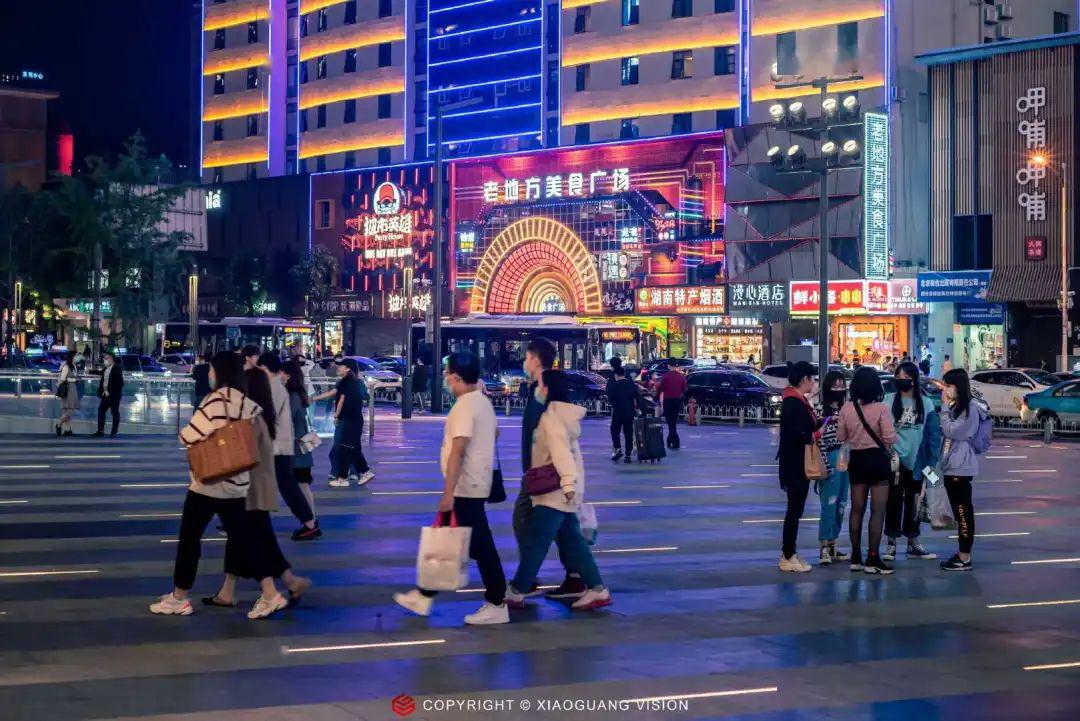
902	512
262	533
797	490
622	425
289	488
959	490
108	403
471	512
672	408
243	556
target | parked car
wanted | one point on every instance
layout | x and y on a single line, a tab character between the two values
372	371
1055	406
662	366
41	363
1004	389
392	363
495	388
734	389
777	375
140	366
178	363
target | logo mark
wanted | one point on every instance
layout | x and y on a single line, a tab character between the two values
403	705
387	199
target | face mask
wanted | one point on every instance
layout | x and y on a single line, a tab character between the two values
540	397
905	384
835	398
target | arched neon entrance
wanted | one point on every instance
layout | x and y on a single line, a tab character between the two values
535	265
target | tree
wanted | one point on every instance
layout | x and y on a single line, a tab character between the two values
246	291
315	275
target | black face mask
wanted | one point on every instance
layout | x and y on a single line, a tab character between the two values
835	398
905	384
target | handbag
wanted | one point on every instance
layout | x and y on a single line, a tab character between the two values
443	557
62	389
498	490
541	479
813	464
309	441
894	458
226	452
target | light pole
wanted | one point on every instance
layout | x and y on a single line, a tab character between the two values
1062	173
406	314
193	309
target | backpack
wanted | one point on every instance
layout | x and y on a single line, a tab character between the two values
981	441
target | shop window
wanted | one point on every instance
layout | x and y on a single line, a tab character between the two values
581	134
682	8
724	60
682	64
581	80
682	123
385	55
847	42
631	14
384	106
581	20
219	39
787	61
629	129
350	110
630	70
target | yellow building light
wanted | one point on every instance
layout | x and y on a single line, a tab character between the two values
220	107
349	87
360	35
573	115
571	4
310	6
804	19
249	56
378	134
225	15
679	34
770	92
235	152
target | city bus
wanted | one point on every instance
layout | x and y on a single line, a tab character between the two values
500	340
234	332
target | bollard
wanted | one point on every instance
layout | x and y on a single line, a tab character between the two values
742	417
507	404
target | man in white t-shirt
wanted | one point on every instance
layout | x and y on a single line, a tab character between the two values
467	459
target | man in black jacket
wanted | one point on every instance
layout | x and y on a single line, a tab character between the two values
110	390
798	426
625	400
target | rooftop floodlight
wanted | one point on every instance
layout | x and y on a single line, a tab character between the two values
851	104
851	149
829	106
776	112
829	148
796	157
775	156
797	112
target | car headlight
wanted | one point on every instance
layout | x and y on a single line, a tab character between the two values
775	398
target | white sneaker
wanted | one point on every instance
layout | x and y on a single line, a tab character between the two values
890	551
266	606
170	605
513	598
365	478
793	564
418	603
340	483
489	615
825	557
593	598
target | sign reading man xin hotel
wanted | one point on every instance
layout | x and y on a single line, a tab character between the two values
571	185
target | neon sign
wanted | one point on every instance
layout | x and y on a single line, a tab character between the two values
213	199
572	185
681	300
876	196
389	226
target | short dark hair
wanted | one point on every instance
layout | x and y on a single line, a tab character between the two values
543	349
110	354
258	390
249	350
228	371
558	387
349	363
798	372
270	361
866	386
617	366
464	364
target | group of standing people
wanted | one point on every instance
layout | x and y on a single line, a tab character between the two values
877	453
551	429
109	392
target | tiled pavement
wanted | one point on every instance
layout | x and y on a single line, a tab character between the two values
689	548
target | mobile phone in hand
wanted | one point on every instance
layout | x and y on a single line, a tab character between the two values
931	476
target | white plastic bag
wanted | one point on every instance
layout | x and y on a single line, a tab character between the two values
443	561
843	457
587	518
938	508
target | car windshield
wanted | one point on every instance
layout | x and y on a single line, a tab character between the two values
366	364
748	380
1043	378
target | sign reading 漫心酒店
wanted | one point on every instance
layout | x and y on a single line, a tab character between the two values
758	296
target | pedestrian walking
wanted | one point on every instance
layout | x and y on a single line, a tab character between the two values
833	491
346	453
250	354
467	459
622	394
798	428
110	391
302	459
555	450
960	419
284	448
539	357
225	498
911	416
200	374
946	364
420	381
866	425
68	392
670	390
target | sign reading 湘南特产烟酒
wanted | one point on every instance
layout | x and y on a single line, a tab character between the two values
876	196
968	286
680	300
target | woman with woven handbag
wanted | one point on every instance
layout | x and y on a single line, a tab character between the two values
866	425
555	482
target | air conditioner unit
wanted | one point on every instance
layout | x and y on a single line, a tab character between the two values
990	14
1004	31
1005	11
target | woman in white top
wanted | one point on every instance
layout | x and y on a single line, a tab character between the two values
226	499
554	517
69	401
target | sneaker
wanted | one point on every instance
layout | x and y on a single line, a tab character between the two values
353	478
825	556
856	561
616	454
955	564
267	606
58	430
489	615
514	598
340	483
915	550
793	564
572	587
838	555
890	551
170	605
593	598
628	459
307	534
876	566
365	478
534	591
415	601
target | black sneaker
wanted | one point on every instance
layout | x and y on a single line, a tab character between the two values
572	587
628	459
307	534
915	550
875	566
837	554
59	431
955	564
616	454
97	434
856	561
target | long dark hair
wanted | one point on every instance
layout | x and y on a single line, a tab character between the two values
911	371
259	391
866	386
295	384
829	397
70	360
958	378
229	371
557	385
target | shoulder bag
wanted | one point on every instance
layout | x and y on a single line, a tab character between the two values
498	490
894	459
228	451
62	386
814	467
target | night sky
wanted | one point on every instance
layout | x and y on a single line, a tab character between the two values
119	65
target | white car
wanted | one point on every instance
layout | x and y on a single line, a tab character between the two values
1004	390
178	363
776	376
372	371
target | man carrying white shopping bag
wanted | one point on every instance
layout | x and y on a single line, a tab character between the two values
467	459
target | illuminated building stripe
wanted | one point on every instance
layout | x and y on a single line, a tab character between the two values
579	109
571	4
491	110
459	7
352	86
235	105
239	12
489	27
376	134
376	32
310	6
249	56
806	19
666	37
235	152
444	88
485	56
769	92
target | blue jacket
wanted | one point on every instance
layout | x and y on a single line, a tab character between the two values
958	458
930	449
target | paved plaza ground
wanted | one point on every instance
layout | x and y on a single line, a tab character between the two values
689	548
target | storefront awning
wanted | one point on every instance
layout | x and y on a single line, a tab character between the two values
1033	282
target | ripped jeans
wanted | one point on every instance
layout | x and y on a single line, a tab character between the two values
834	498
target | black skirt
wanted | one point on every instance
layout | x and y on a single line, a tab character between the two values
870	467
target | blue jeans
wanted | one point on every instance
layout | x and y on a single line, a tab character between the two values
543	526
834	497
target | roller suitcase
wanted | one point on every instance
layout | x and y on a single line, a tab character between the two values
649	439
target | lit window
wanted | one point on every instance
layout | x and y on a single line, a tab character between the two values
219	39
724	60
320	68
384	106
582	80
350	111
350	12
253	32
350	61
252	78
630	12
682	8
682	64
321	21
630	71
629	129
219	84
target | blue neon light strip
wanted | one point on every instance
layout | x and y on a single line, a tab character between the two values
458	7
491	110
488	55
486	82
489	27
488	137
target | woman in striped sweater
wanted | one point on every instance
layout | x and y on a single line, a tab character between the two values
226	499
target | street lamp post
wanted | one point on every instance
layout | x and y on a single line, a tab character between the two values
406	314
193	309
1063	175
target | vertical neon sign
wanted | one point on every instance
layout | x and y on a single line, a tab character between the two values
876	196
